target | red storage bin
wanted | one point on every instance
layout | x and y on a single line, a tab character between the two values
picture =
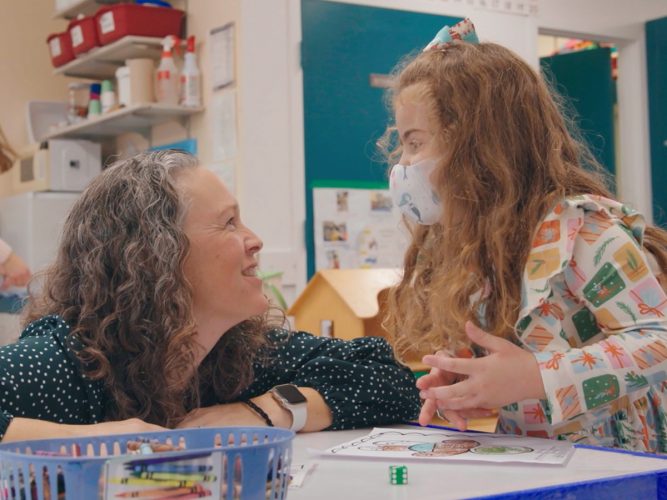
116	21
83	34
60	48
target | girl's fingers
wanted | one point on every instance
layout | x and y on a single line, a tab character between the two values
456	419
445	392
454	365
427	412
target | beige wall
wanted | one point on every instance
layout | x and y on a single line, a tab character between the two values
203	16
26	72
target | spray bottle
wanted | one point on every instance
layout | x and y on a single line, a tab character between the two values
190	78
167	73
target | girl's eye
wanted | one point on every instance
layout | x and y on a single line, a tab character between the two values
414	145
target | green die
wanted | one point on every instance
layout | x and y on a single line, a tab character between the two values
398	474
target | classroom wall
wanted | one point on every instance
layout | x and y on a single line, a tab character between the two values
266	43
25	65
621	22
269	167
202	16
618	19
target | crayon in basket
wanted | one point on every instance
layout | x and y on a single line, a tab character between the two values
199	492
167	467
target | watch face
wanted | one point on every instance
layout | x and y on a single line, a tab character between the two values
291	394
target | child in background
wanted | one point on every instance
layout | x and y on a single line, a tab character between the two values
13	271
543	290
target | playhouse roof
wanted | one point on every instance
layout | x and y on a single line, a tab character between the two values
358	288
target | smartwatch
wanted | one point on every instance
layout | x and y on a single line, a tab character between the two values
292	399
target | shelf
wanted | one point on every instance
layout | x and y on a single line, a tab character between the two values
101	63
138	117
85	7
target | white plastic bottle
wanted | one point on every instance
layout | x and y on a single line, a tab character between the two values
167	80
190	78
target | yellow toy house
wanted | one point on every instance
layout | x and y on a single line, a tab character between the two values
346	304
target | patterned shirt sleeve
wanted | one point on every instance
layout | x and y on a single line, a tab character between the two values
359	379
609	274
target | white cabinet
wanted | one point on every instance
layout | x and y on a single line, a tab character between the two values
32	223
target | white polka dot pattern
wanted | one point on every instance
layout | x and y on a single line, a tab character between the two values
359	379
41	378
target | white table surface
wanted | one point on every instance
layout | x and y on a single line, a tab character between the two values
350	479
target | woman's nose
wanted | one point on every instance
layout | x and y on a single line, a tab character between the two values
253	243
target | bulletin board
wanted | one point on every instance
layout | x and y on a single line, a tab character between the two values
356	225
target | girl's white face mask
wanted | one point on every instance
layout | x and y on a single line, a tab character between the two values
411	189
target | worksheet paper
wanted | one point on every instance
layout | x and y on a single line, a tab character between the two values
446	445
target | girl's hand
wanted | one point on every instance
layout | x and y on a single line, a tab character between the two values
438	377
506	375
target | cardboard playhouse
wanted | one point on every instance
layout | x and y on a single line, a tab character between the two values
346	304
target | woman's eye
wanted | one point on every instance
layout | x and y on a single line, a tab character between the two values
414	145
231	223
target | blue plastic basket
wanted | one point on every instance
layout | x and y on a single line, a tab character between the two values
255	463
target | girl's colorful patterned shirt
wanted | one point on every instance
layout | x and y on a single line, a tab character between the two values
594	314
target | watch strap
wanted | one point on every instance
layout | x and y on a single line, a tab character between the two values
299	416
299	411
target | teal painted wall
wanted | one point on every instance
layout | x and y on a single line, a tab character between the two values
656	65
342	45
584	79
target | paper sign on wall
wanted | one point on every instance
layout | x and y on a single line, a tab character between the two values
357	228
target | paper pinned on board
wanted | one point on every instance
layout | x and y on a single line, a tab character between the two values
448	445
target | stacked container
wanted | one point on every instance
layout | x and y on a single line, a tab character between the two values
83	35
111	23
60	48
120	20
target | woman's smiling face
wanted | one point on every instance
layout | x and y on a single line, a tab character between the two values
221	265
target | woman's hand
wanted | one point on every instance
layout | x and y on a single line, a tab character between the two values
14	272
438	377
129	426
221	416
22	429
507	374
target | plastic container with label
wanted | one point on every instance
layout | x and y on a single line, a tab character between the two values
60	48
117	21
83	34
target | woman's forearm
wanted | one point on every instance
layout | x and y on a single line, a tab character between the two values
25	429
319	414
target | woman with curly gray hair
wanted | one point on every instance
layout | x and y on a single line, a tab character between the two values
152	316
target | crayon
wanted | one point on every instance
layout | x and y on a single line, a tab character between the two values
161	492
205	493
175	476
162	459
170	468
152	482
